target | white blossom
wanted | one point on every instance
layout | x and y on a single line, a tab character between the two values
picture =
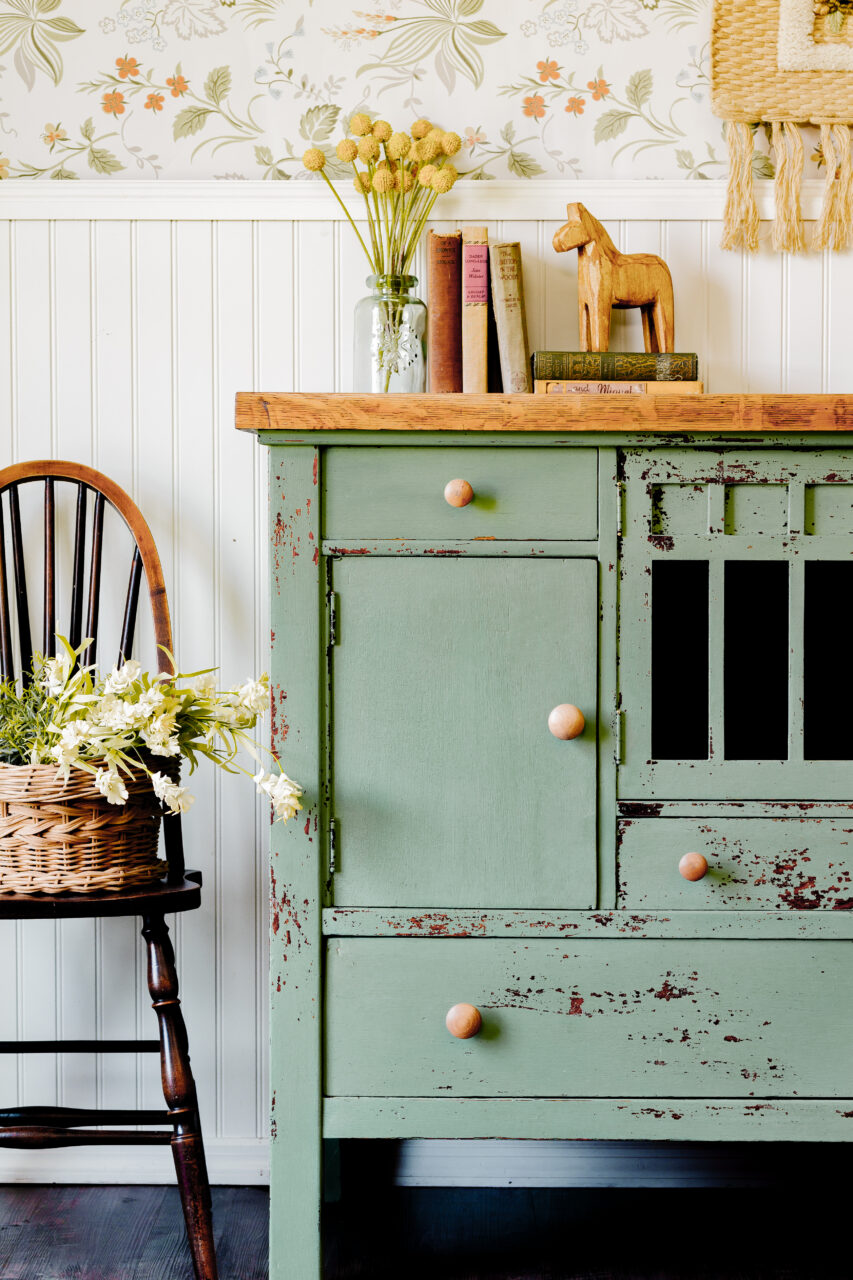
282	791
121	678
110	785
254	695
177	799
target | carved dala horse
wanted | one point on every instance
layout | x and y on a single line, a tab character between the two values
608	278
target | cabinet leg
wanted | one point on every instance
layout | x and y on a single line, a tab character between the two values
180	1094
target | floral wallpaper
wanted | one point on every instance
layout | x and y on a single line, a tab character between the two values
240	88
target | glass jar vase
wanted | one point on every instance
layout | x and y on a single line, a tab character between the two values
389	347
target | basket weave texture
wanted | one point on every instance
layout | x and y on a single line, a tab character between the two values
748	85
65	837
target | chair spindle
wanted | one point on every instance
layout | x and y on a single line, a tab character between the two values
95	577
128	626
49	641
6	667
76	626
23	608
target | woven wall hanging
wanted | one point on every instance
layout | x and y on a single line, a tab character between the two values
785	63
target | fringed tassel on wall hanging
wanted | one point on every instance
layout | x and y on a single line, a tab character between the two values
787	235
740	220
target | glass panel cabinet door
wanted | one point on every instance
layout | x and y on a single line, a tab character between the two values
447	787
735	634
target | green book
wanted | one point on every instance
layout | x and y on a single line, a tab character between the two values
615	366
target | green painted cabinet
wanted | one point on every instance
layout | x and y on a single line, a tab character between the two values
690	599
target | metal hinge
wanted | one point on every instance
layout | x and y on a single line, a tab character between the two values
333	617
333	846
620	502
619	735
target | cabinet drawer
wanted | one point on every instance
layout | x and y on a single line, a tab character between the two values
611	1018
518	493
753	863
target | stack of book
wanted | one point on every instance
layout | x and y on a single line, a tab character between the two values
477	330
610	373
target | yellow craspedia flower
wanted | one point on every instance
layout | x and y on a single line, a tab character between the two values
425	150
382	130
361	181
426	174
398	145
368	149
450	143
443	179
403	180
346	150
383	181
420	128
360	124
314	159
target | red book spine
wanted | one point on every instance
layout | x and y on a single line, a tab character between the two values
444	316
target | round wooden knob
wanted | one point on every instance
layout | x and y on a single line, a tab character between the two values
458	493
693	866
566	722
463	1021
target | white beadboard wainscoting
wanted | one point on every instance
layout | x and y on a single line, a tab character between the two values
130	314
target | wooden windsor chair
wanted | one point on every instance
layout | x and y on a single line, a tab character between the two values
179	890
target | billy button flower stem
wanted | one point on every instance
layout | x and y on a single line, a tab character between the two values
314	160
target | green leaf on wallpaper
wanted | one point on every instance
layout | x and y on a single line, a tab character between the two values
464	8
639	88
484	32
263	155
523	165
47	6
87	128
762	165
611	124
218	84
190	121
103	161
835	22
684	159
508	132
63	28
63	173
317	123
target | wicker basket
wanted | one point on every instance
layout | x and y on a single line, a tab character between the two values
65	837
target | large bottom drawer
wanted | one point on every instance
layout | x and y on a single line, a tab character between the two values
637	1018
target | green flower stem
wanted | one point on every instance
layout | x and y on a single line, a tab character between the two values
375	259
330	185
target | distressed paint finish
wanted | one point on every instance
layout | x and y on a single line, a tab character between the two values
670	1019
295	871
722	1018
802	864
377	493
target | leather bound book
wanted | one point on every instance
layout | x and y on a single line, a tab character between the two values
508	298
475	308
444	332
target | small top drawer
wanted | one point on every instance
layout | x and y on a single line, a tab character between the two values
524	493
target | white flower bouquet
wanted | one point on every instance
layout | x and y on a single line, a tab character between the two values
119	726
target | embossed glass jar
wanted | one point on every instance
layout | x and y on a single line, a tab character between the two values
389	348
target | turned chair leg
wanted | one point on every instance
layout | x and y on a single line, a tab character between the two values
180	1093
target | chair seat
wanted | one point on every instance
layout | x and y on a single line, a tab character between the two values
161	896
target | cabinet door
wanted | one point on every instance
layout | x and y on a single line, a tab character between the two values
737	571
448	788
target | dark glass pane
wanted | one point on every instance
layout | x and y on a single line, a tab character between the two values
756	660
680	660
827	634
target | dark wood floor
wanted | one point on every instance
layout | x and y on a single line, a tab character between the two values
136	1233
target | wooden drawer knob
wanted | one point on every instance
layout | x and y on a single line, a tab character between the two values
463	1021
566	722
458	493
693	866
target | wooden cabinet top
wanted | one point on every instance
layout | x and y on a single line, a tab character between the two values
670	414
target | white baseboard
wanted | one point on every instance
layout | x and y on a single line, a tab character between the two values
242	1162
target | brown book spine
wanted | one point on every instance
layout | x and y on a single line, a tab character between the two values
444	317
508	296
475	308
588	387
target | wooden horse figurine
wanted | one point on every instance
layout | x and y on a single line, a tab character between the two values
608	278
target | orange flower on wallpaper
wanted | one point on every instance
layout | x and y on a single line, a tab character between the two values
154	102
127	67
4	167
600	89
114	103
575	106
547	71
178	85
53	133
534	106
